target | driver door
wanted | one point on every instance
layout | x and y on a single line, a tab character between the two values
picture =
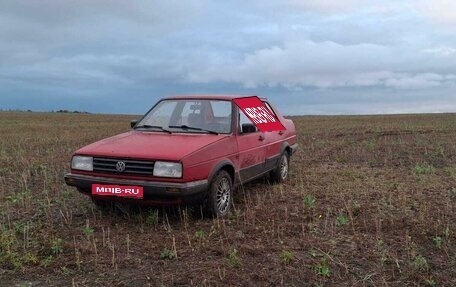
251	146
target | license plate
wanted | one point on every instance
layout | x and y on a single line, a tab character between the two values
118	190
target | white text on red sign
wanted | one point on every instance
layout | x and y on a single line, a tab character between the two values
260	115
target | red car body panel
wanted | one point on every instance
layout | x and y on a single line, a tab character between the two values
199	164
150	145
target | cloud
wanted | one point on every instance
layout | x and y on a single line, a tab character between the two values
439	11
347	7
56	12
107	48
324	65
324	6
53	24
418	81
441	51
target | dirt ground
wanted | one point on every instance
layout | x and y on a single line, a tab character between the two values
370	202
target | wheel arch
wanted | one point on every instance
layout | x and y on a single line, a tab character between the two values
286	148
226	165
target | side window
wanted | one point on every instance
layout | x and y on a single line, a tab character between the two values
270	108
244	121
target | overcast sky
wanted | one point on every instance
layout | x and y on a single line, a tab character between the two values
306	56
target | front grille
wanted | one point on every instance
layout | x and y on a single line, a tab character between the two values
139	167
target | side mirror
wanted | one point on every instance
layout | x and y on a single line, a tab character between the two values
248	128
133	123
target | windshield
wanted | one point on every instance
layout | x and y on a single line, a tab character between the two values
190	115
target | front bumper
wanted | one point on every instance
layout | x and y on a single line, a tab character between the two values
154	192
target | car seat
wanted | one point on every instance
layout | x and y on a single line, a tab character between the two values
195	120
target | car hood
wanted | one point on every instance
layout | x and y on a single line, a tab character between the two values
150	145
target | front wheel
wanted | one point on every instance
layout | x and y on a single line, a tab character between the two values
220	195
280	173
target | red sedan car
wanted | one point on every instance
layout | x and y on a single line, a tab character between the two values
185	150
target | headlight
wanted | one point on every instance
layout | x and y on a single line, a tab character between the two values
82	162
167	169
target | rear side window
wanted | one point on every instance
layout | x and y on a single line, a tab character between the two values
270	108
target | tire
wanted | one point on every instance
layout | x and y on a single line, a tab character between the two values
220	195
280	173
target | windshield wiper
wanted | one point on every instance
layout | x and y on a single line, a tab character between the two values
185	127
152	127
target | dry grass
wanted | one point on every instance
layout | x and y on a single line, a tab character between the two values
371	201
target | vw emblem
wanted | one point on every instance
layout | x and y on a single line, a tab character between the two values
120	166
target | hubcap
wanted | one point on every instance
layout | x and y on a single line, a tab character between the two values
223	195
284	167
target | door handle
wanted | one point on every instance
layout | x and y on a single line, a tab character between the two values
280	133
261	138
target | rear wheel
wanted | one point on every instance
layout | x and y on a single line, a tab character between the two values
220	195
280	173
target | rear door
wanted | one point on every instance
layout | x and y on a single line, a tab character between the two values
251	146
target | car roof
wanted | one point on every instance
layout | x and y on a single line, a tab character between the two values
211	96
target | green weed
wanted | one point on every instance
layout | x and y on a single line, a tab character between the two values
200	234
47	261
369	144
446	231
287	256
322	268
10	254
420	263
168	254
57	246
87	230
422	169
437	241
309	201
431	281
152	217
341	220
233	258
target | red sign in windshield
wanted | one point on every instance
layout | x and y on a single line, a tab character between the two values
259	114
